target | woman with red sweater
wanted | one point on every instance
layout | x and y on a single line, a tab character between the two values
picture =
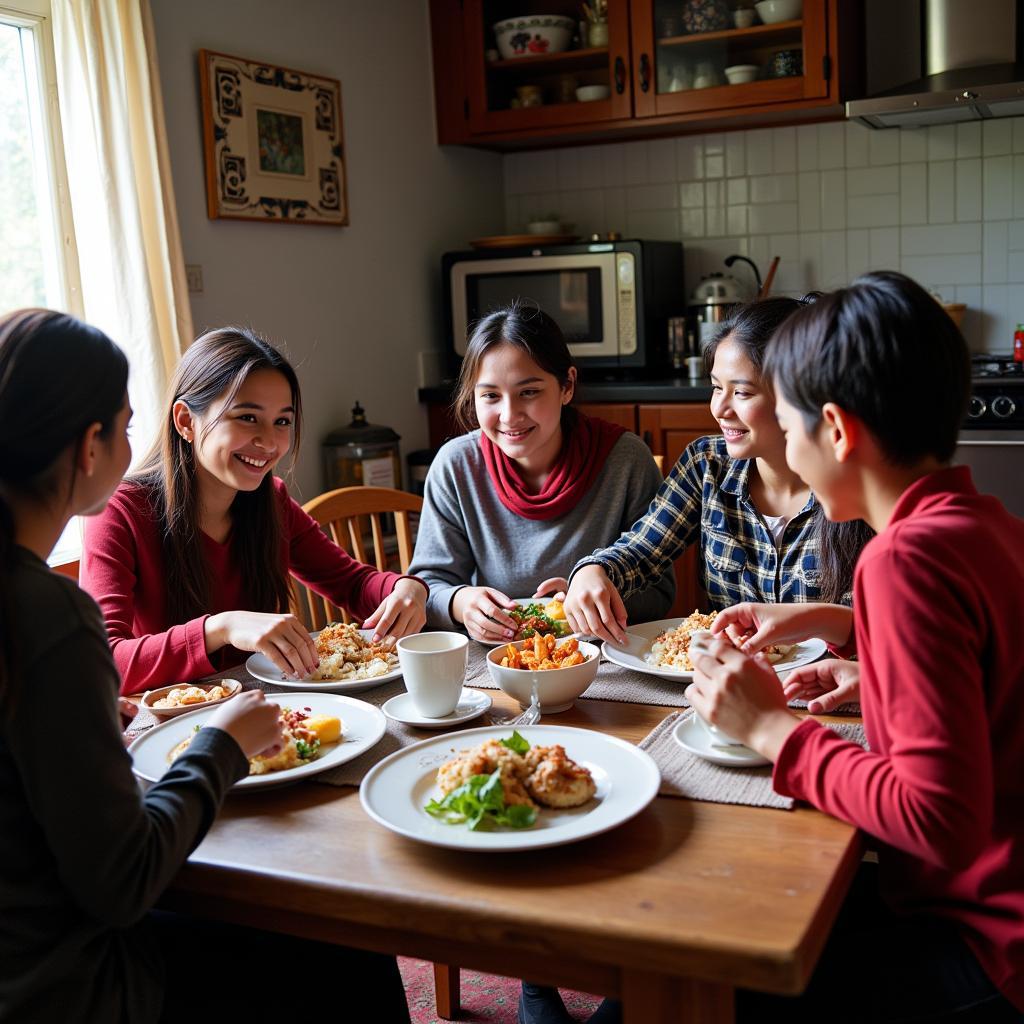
190	560
871	387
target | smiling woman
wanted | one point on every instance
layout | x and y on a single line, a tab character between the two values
190	561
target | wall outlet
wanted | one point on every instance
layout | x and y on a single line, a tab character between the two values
194	276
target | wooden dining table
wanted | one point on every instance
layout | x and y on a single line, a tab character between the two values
670	912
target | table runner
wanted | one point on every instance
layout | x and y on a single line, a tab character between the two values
687	775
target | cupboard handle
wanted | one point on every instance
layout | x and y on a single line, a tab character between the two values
620	75
645	72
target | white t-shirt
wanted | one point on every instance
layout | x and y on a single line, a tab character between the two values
776	527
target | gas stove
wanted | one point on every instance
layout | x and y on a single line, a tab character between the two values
997	394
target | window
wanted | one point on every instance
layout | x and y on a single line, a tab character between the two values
38	257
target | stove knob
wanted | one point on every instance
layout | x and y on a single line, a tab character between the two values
1003	407
977	408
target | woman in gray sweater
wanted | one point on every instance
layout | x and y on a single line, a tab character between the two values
510	507
83	854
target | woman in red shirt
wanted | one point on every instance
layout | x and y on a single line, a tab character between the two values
190	560
872	385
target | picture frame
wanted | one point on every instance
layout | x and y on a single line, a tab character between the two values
273	142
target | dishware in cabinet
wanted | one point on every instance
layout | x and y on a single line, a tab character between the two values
563	80
691	57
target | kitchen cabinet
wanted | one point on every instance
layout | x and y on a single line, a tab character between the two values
660	78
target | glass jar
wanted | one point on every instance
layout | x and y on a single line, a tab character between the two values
362	453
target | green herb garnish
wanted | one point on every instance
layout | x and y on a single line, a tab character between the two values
516	742
307	751
557	627
480	803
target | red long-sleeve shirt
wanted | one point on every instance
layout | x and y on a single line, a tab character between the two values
938	597
123	569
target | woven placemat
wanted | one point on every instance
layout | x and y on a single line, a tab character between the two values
687	775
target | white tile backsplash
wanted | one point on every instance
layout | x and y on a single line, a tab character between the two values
944	204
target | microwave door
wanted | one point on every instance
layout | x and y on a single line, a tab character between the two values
579	292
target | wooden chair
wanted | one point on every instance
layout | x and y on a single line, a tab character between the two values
344	512
659	461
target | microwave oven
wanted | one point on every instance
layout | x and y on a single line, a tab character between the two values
611	299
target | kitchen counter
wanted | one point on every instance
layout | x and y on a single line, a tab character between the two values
677	389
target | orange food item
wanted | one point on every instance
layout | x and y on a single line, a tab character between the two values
547	653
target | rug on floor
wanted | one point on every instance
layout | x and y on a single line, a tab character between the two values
486	998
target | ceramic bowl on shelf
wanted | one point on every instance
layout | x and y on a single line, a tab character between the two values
773	11
586	93
739	74
544	227
786	63
744	17
533	34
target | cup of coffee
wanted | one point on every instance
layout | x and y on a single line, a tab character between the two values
434	667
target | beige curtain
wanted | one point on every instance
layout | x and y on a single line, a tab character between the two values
122	199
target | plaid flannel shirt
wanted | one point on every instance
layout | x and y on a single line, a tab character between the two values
706	499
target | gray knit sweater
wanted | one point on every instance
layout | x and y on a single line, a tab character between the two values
468	537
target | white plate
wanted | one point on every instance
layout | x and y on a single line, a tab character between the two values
259	666
363	726
471	704
639	639
692	736
395	791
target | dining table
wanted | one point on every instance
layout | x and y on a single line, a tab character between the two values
670	912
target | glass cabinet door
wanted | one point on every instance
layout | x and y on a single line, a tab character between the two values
703	55
561	66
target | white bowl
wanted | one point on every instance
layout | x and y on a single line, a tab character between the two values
586	93
772	11
532	34
557	688
738	74
544	227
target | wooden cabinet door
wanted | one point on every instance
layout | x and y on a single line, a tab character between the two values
491	85
680	71
623	413
668	429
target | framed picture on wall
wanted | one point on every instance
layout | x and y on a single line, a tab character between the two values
273	142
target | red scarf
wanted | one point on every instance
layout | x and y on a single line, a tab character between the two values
584	452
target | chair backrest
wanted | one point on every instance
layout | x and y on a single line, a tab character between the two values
659	461
345	513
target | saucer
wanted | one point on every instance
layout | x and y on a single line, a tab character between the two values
692	736
471	703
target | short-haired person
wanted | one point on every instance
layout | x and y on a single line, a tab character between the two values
871	388
190	560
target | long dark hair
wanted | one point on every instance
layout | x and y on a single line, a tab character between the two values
752	327
526	327
58	376
212	369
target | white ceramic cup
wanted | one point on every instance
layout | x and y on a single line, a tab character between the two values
699	640
434	668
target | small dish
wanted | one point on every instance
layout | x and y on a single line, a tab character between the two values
557	688
472	703
771	12
149	698
744	17
588	93
692	736
739	74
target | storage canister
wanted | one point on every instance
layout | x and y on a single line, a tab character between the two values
362	453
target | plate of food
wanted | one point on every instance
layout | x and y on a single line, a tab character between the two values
350	661
321	730
499	789
537	616
662	648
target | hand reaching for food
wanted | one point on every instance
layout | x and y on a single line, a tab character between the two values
824	685
281	638
556	586
752	627
593	605
484	613
402	612
251	721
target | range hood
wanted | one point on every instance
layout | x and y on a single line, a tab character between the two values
970	53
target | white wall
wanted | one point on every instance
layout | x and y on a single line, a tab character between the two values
944	205
351	306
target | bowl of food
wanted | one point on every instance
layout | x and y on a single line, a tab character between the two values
773	11
589	93
740	74
560	669
179	698
532	34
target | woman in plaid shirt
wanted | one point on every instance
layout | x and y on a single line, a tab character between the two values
761	533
